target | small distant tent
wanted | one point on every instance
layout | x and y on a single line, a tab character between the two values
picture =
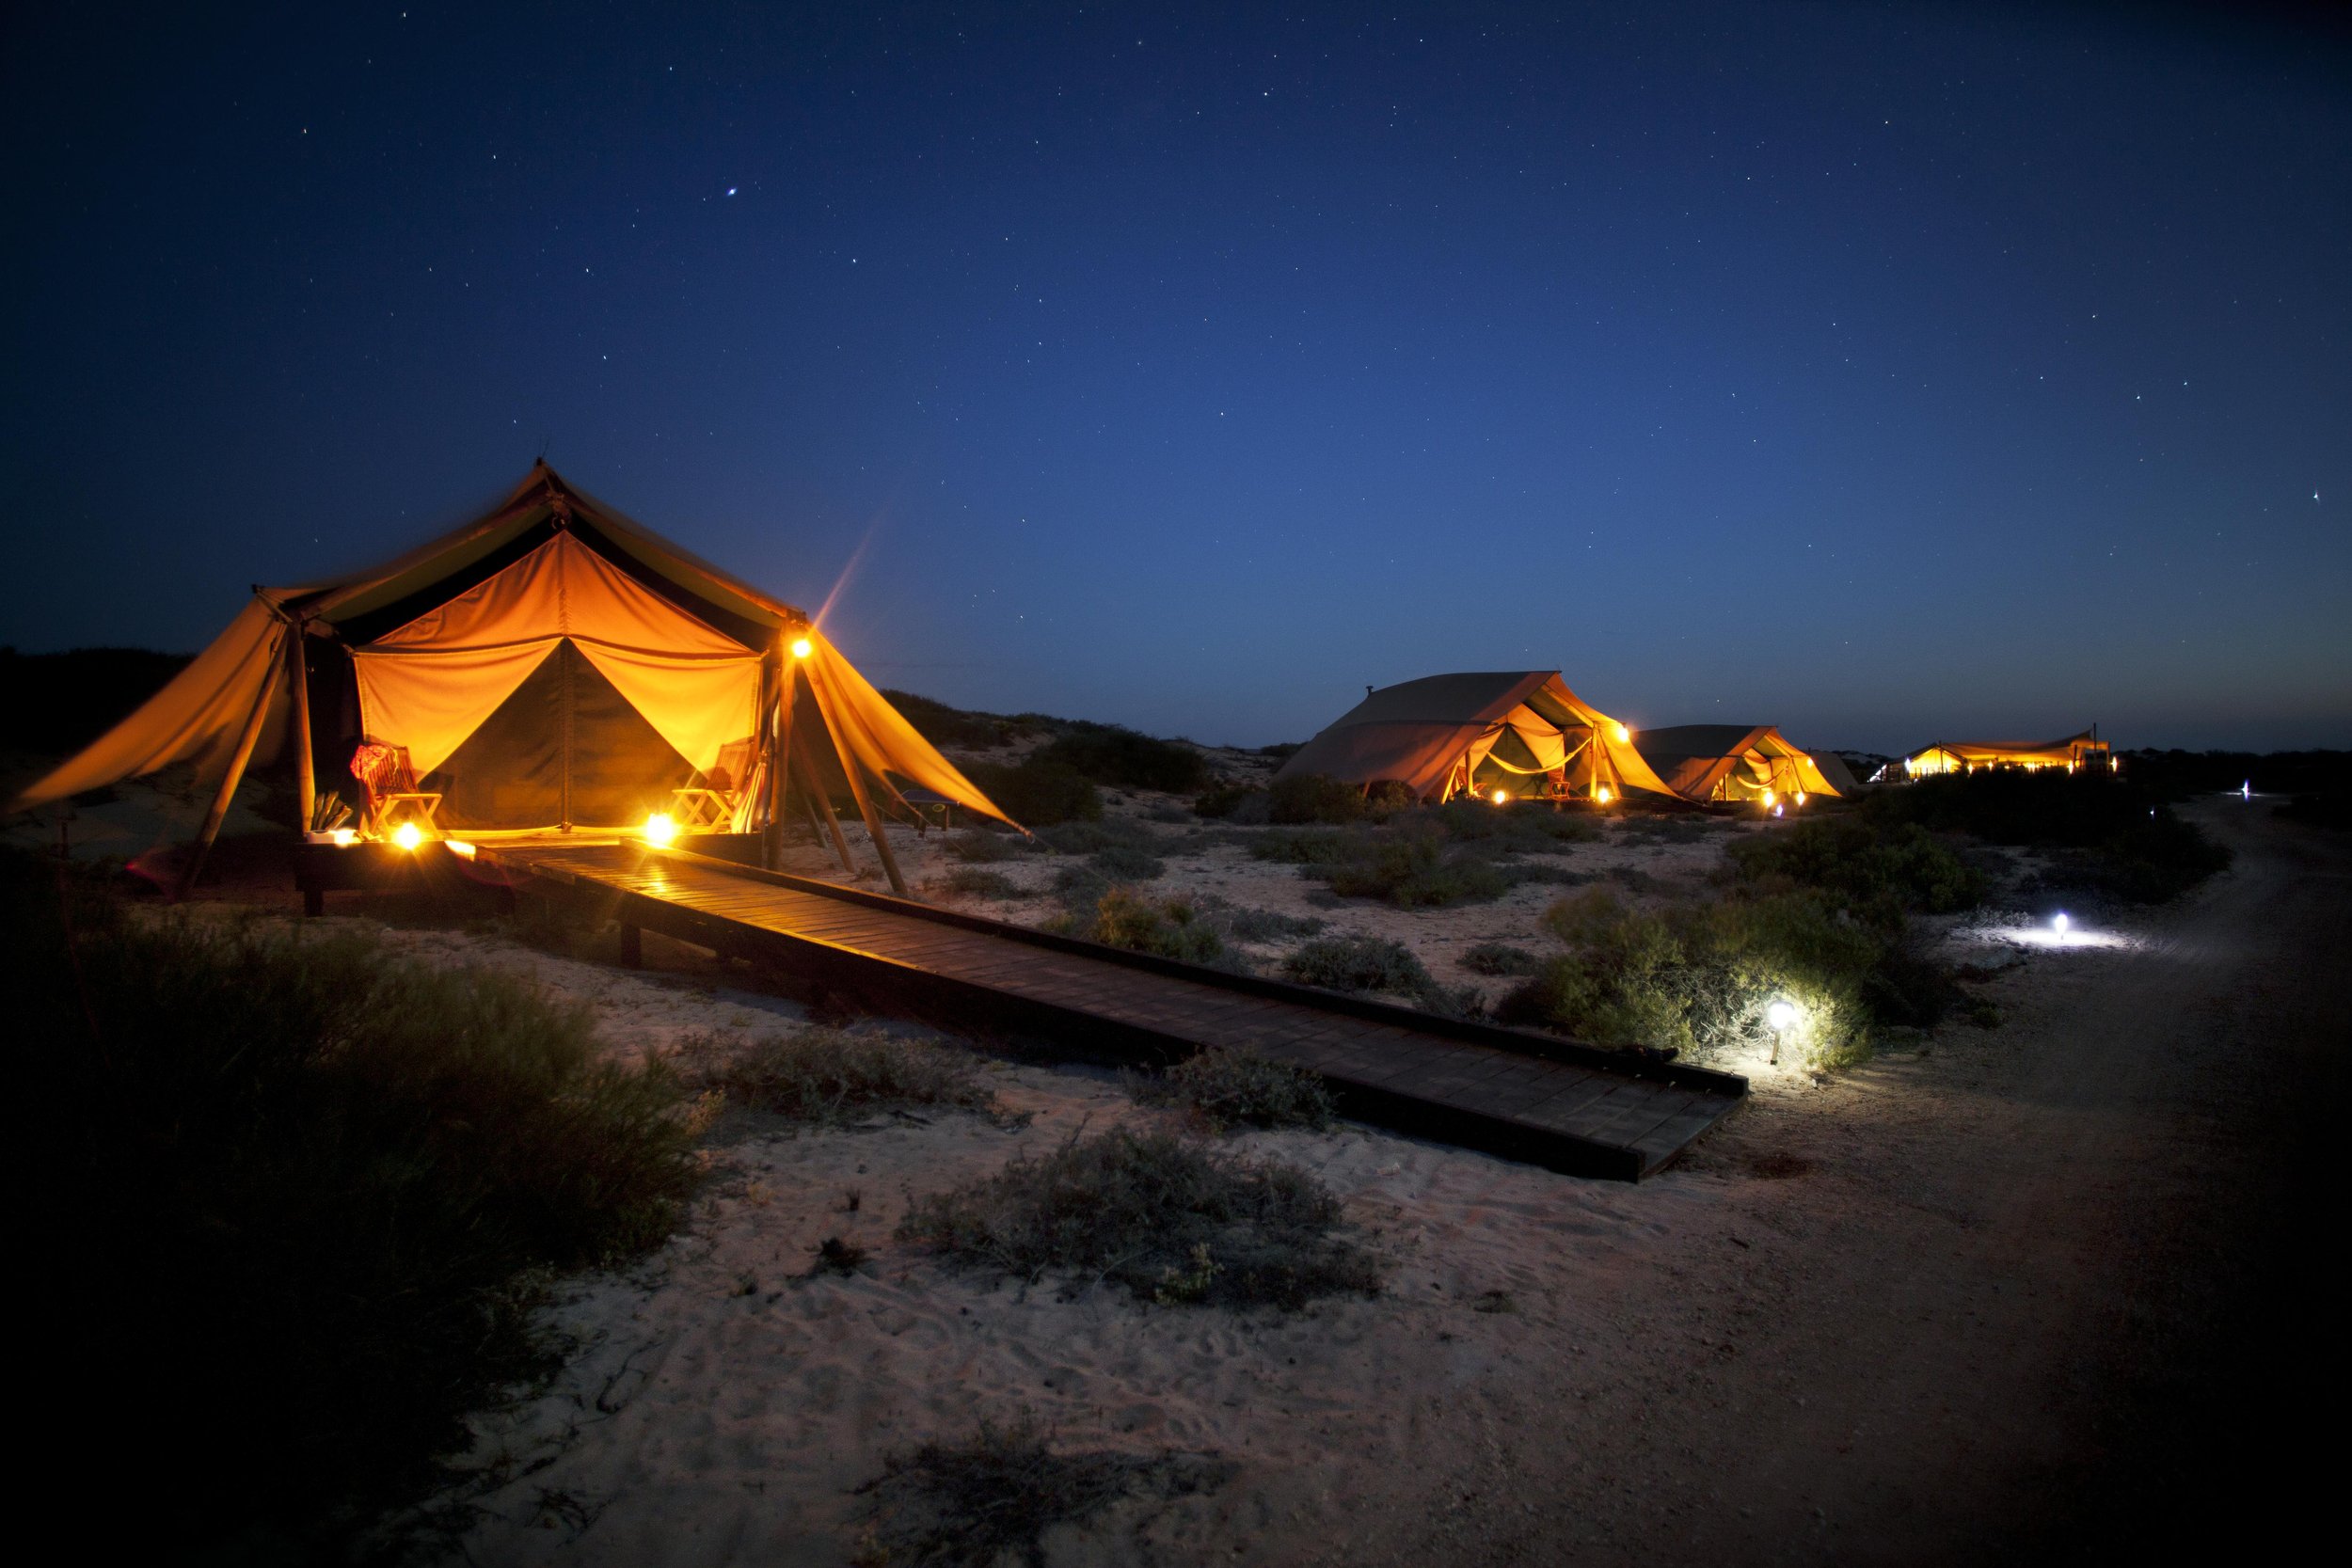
1841	777
2074	752
1736	763
550	666
1521	731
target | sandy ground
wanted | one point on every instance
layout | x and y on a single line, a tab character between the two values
2010	1293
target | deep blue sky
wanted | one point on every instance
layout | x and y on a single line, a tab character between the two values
1884	372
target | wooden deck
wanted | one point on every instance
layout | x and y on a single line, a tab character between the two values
1528	1097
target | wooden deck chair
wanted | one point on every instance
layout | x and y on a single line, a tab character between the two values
393	796
710	801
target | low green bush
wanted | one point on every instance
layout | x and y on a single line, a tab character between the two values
1221	799
1170	929
1253	925
2108	834
835	1075
1863	860
979	847
1232	1088
1494	957
1359	964
1088	838
1109	755
1699	978
1079	888
1168	1219
1296	798
1123	862
1037	791
980	883
1519	827
1300	846
1410	868
345	1168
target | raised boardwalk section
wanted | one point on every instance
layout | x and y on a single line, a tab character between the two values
1527	1097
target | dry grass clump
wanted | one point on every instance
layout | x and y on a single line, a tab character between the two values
1125	863
1174	1222
980	846
831	1076
1231	1089
996	1493
1170	928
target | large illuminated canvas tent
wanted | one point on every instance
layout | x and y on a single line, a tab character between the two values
1519	731
1737	765
2074	753
550	667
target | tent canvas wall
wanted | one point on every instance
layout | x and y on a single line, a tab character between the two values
1521	731
1733	762
551	665
1966	756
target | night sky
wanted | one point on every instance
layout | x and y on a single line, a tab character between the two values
1888	373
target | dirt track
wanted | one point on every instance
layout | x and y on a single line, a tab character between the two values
2036	1296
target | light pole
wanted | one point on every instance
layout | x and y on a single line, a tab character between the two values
1780	1015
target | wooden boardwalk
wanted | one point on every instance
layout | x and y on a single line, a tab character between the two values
1528	1097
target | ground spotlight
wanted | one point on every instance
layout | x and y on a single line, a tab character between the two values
661	830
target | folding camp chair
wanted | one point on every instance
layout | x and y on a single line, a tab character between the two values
712	800
390	784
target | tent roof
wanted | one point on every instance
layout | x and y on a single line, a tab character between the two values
1708	740
1418	730
1694	758
2062	747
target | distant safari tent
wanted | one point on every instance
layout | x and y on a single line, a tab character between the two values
550	667
1736	764
1519	733
2074	753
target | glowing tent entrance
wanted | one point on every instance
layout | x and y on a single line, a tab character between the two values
1735	764
1519	731
550	667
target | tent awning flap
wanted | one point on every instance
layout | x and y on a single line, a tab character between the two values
196	718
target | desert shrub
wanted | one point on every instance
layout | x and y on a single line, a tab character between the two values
1700	976
996	1493
1109	755
1357	963
1385	797
1037	791
980	883
1172	930
347	1165
1301	798
2112	835
1494	957
1088	838
1663	827
1411	869
1519	828
835	1075
1221	799
1301	846
979	847
1168	1219
1863	860
1079	888
1253	924
1242	1088
1123	862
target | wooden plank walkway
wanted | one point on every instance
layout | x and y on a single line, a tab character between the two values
1528	1097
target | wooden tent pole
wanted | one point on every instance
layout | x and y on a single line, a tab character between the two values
297	672
857	785
779	745
814	789
228	781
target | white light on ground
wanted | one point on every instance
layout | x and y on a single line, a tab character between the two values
1780	1015
2060	922
346	838
1502	797
407	835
